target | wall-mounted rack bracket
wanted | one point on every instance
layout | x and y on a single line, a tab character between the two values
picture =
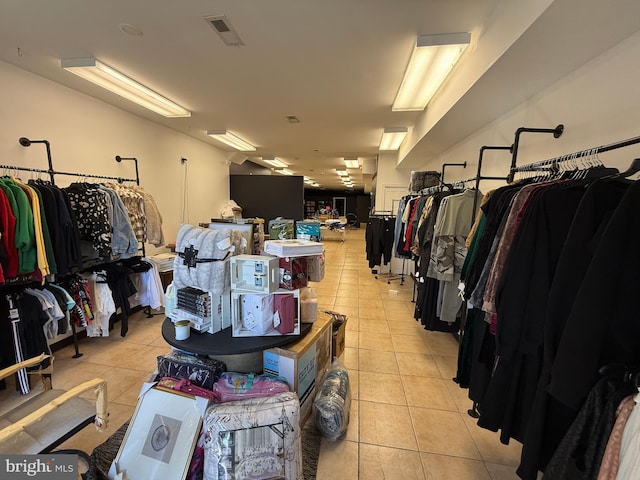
557	133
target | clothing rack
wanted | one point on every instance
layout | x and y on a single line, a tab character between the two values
26	142
480	177
557	133
381	213
444	166
388	214
544	164
575	155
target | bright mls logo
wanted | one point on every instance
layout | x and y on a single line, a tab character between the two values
51	467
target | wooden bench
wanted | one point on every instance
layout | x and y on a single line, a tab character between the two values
46	420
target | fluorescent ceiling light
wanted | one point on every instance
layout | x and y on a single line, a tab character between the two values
432	59
342	173
232	140
392	138
284	171
351	163
106	77
275	162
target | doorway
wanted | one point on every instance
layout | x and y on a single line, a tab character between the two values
340	204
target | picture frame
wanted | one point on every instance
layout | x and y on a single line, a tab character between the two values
161	436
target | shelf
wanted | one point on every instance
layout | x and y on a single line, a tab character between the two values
223	343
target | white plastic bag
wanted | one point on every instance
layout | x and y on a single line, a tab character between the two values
308	305
170	300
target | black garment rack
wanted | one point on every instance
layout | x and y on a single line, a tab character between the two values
390	276
26	142
544	164
575	155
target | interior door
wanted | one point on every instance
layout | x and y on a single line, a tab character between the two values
340	204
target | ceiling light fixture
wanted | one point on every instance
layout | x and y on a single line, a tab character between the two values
275	162
351	163
106	77
232	140
284	171
392	138
342	173
432	59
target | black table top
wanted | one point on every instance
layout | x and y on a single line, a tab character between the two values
223	343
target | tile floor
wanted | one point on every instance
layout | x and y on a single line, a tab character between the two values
408	418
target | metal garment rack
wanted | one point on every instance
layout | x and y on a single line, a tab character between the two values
578	154
444	166
26	142
480	177
473	412
390	276
557	133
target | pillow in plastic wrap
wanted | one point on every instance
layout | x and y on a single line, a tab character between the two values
239	386
203	372
253	439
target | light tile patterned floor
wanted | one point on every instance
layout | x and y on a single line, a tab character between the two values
408	418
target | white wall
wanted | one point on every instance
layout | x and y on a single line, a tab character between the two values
86	134
598	104
391	184
389	178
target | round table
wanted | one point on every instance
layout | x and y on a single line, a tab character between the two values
240	354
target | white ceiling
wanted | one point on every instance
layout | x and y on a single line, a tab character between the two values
335	64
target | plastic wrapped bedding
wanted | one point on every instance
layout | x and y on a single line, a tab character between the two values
333	402
253	439
203	372
421	180
203	258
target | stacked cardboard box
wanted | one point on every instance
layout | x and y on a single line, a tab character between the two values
303	363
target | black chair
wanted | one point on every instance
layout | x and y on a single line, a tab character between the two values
352	220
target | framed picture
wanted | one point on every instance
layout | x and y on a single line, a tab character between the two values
161	437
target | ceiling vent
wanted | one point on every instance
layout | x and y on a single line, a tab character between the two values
224	29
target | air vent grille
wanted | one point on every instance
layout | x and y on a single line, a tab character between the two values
223	28
220	26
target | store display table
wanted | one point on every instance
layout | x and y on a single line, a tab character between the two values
241	354
330	230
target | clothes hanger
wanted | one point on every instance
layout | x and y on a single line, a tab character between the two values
632	170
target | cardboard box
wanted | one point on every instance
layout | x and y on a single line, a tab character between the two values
281	229
339	339
304	363
308	230
260	320
292	248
